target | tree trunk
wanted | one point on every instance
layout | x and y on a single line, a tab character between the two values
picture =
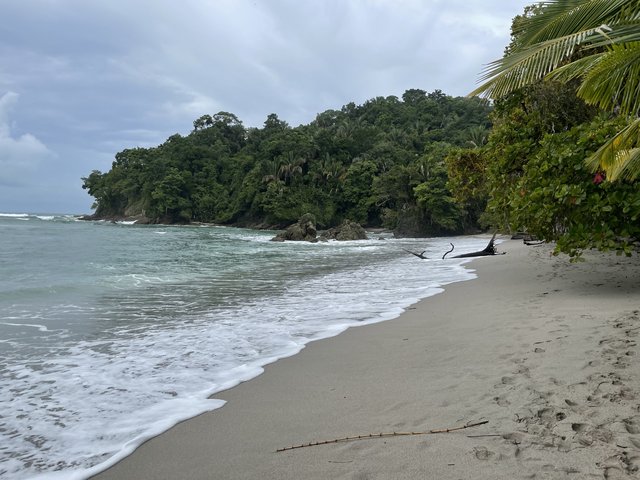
490	249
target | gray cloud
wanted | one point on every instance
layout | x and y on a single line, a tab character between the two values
96	77
20	155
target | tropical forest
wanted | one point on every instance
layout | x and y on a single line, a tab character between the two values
547	145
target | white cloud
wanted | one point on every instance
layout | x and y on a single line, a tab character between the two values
21	155
98	77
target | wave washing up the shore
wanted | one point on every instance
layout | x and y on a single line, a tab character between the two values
111	334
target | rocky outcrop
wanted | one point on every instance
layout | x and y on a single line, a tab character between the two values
304	230
348	230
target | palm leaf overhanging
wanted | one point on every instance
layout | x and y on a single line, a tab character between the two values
596	42
618	157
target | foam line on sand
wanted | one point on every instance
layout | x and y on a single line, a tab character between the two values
544	350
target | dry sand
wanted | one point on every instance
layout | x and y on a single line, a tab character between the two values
544	350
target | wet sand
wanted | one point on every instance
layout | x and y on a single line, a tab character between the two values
543	350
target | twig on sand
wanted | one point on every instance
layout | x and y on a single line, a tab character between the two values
381	435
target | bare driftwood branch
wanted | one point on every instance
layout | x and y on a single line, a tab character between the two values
447	253
527	238
381	435
419	255
490	249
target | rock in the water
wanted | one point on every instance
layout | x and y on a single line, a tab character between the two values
347	231
304	230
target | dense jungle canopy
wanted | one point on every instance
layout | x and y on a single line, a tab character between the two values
555	154
379	164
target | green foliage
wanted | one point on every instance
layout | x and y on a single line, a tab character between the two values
362	162
536	178
170	198
437	205
520	122
358	195
595	43
466	170
535	175
557	197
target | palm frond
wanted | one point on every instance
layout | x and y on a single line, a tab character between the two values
614	80
548	39
627	165
619	157
561	18
607	34
576	69
627	32
528	65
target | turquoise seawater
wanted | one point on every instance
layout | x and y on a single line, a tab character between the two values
112	333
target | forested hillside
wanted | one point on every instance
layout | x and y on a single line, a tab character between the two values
380	164
556	155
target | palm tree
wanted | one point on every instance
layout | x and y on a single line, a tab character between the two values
271	170
597	43
477	136
330	172
290	166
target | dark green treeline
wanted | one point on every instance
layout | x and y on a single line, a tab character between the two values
380	164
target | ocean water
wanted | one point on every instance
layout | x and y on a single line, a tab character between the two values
112	333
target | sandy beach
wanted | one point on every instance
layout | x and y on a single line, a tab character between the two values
543	350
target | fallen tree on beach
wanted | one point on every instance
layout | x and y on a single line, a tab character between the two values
490	249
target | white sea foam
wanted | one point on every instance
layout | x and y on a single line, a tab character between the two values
83	404
44	217
42	328
14	215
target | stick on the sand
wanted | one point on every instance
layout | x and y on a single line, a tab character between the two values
383	434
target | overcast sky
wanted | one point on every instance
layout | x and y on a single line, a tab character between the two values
83	79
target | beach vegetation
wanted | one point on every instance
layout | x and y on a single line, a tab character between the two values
562	161
595	44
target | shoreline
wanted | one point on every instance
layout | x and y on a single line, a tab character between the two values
538	347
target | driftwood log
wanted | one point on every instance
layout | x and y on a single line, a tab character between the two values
527	238
533	242
419	255
490	249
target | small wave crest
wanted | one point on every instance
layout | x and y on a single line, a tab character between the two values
42	217
42	328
